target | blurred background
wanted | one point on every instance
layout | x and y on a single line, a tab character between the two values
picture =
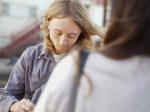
20	27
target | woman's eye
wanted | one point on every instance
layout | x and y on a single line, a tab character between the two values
57	32
72	36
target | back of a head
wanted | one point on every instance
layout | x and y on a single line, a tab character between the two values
128	32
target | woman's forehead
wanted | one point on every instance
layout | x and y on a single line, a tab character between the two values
66	23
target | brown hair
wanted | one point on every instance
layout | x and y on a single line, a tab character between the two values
129	29
75	10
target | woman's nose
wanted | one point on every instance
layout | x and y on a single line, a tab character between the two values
63	40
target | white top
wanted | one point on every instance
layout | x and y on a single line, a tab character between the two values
57	57
117	86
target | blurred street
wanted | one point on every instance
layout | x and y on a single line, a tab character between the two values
5	69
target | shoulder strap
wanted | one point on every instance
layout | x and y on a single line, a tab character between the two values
83	57
42	81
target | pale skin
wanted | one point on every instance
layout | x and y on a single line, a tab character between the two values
22	106
64	33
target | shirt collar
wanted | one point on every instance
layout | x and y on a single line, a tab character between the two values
44	54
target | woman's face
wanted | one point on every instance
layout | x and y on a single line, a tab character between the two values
64	33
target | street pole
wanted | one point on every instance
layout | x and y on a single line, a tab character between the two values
105	13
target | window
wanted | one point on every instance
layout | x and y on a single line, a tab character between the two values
32	11
5	9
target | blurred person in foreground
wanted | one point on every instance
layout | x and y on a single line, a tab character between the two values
116	78
66	24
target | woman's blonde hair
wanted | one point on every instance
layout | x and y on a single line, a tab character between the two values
75	10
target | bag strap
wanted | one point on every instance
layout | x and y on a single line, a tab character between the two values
83	57
29	93
42	81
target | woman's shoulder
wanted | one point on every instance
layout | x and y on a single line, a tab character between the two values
33	51
36	48
99	62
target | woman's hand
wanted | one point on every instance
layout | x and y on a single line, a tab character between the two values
22	106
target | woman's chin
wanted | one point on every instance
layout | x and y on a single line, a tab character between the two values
61	51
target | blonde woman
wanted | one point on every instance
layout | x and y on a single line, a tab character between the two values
66	24
116	78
